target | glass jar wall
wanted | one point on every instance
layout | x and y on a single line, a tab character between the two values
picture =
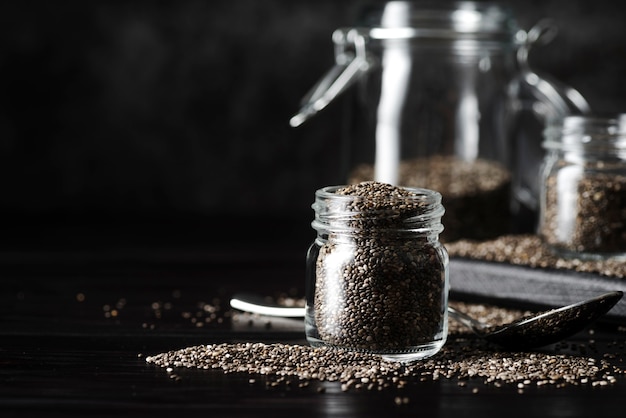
377	276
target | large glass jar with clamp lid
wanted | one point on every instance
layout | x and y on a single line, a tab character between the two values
437	90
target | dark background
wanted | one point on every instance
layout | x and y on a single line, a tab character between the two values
176	112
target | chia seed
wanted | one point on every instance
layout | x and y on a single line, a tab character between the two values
463	361
529	250
466	359
592	219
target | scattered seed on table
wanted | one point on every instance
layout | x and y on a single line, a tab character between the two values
529	250
461	360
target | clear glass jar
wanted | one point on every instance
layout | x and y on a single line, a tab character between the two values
377	275
583	190
441	97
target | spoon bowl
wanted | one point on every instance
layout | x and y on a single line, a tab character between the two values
543	328
533	331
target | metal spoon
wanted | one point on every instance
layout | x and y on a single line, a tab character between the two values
532	331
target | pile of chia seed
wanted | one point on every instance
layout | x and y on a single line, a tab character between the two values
531	251
377	289
464	359
475	194
461	360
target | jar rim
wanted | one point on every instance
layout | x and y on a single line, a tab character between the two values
591	132
420	194
430	19
336	212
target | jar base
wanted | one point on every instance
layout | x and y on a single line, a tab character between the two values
418	353
406	355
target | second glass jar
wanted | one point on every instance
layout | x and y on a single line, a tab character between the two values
583	194
377	275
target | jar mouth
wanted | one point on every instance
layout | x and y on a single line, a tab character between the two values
599	133
418	194
430	19
418	212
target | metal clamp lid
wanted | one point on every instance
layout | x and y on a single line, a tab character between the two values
351	61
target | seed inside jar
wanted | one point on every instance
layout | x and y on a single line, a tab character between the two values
585	213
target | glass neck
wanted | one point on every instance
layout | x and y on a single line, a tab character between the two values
589	136
436	19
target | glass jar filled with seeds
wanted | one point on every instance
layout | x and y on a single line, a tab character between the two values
583	194
377	275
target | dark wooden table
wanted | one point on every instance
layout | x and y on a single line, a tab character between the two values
76	325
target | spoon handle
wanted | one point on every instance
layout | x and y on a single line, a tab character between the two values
256	304
476	326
